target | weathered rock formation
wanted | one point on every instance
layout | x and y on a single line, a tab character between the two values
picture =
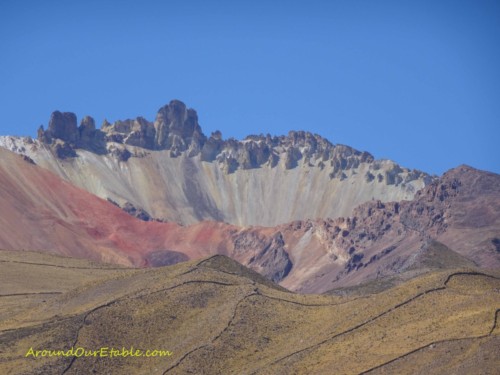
176	128
171	170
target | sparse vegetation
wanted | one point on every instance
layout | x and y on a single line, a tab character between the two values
216	316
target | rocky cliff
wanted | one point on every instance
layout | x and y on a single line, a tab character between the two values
170	171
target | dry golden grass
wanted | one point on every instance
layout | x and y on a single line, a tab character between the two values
217	317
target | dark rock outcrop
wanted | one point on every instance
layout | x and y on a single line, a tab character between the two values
177	129
64	137
268	255
133	211
27	159
274	260
89	137
136	212
63	150
86	131
62	125
122	154
162	258
43	136
62	134
212	147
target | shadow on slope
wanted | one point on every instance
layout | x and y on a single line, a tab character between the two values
432	256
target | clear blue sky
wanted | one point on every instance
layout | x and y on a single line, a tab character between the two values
414	81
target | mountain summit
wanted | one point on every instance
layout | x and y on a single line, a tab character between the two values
169	170
176	129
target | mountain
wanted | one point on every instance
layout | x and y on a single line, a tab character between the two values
169	170
270	255
214	316
49	203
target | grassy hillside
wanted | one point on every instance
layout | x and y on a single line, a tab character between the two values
216	317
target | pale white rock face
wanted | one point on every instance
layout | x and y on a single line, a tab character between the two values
187	190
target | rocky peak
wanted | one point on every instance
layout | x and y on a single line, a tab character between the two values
89	137
62	134
177	129
462	181
87	126
472	180
62	125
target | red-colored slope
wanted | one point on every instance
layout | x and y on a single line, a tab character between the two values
40	211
